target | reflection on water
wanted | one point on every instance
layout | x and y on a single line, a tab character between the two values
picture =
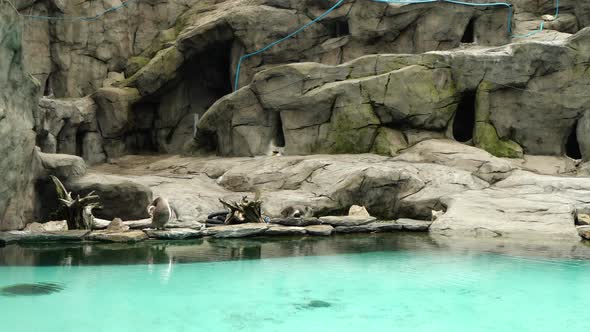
210	249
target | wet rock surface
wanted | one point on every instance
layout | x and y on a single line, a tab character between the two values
319	230
346	220
285	230
28	236
174	234
241	230
123	237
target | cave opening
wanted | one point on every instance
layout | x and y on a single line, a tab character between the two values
464	122
469	33
80	142
279	137
171	114
572	146
337	28
141	138
211	71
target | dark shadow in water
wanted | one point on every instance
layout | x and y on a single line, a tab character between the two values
212	250
36	289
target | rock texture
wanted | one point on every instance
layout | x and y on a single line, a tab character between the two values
584	232
18	99
510	100
154	69
521	205
404	109
123	237
119	197
174	234
240	230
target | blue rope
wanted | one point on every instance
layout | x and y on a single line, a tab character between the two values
541	26
79	18
326	13
291	35
487	4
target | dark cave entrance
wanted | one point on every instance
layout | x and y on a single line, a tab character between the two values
469	33
165	121
464	122
572	147
211	71
141	139
80	142
279	135
337	28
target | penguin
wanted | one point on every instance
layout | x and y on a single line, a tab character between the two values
161	212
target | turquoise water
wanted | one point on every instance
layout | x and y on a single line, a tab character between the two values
398	290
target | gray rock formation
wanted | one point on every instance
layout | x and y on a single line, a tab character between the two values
122	237
319	230
404	81
174	234
240	230
180	56
584	232
28	236
508	100
522	204
18	99
119	197
285	230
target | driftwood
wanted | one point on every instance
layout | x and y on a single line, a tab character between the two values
244	211
78	211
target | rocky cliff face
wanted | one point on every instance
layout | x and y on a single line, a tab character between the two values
18	99
526	97
369	78
153	68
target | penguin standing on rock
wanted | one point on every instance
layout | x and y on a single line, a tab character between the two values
162	212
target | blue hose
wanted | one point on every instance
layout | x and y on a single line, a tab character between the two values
292	34
326	13
541	26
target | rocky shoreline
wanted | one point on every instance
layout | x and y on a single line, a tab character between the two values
431	116
136	231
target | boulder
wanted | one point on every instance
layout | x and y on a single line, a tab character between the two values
117	226
346	220
457	155
174	234
123	237
234	231
372	227
358	211
120	197
584	232
295	221
285	230
319	230
523	205
583	219
63	166
414	225
28	236
50	226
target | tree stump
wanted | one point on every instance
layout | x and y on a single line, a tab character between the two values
244	211
77	212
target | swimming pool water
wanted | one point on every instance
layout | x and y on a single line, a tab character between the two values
371	291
